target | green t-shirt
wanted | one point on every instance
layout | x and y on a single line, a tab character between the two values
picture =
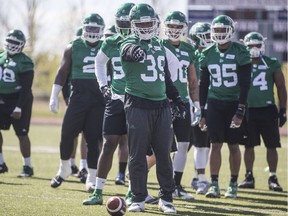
186	56
111	49
10	68
261	93
222	67
83	59
146	79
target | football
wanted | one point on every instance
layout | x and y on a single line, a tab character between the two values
116	206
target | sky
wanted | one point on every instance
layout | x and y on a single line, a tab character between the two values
58	20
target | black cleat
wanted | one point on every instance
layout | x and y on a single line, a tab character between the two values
248	183
56	181
75	170
273	184
83	175
26	172
3	168
120	179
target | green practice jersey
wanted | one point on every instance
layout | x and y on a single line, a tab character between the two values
146	79
186	56
261	93
83	58
222	67
111	49
10	68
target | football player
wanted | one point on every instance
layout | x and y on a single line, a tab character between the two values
175	26
16	98
114	126
199	34
262	112
224	85
86	103
147	108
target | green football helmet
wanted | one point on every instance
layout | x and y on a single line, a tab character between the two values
200	34
175	25
93	28
123	25
143	21
255	42
222	29
111	30
14	42
79	32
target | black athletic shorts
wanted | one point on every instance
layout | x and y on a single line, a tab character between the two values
219	117
7	105
114	118
199	138
263	122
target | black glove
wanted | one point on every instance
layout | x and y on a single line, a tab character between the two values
106	91
282	116
138	54
178	109
240	112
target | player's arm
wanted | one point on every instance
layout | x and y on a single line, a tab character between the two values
279	80
133	53
172	63
100	68
61	78
193	88
26	80
203	87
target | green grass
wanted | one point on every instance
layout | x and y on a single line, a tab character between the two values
34	196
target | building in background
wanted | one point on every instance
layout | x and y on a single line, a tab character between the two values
269	17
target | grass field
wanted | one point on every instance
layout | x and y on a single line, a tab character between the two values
34	196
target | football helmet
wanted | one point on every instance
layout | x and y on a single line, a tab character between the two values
200	34
93	28
222	29
255	42
79	32
14	42
175	25
123	25
143	21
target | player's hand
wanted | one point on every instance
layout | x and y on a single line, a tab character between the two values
106	91
202	124
282	117
236	122
17	113
138	54
180	106
54	104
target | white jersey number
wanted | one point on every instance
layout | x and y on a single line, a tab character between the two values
152	68
7	75
223	76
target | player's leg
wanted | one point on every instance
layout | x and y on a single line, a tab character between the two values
123	157
83	160
3	167
74	167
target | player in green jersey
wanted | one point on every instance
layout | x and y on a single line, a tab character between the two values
175	26
16	98
86	103
262	111
148	116
199	35
114	125
224	81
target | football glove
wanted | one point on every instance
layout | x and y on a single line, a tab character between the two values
282	117
106	92
178	108
17	113
196	114
54	102
240	112
138	54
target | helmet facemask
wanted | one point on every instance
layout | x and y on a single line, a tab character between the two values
257	49
174	30
221	34
145	28
123	26
13	45
92	32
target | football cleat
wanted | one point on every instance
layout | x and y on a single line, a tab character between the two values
151	200
194	183
248	182
95	198
213	191
56	181
128	198
181	193
26	172
90	187
83	175
120	179
231	191
75	170
202	187
3	168
166	207
273	184
137	207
